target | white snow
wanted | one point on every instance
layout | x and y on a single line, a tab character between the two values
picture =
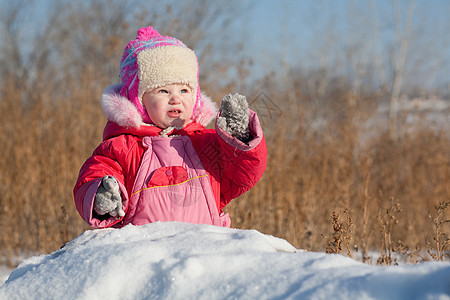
4	274
186	261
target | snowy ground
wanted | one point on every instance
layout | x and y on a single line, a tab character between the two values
4	274
186	261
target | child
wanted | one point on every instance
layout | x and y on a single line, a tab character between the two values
157	162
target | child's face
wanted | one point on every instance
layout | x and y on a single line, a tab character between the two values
170	105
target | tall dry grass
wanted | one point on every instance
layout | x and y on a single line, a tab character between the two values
346	168
42	145
310	174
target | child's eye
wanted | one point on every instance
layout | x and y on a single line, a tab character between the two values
184	91
162	91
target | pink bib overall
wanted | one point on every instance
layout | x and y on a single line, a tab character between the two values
172	185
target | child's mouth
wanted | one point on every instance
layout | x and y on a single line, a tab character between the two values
174	113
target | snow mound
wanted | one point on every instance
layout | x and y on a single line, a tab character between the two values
187	261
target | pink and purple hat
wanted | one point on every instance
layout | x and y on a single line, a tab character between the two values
151	61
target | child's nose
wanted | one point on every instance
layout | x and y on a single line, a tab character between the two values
175	99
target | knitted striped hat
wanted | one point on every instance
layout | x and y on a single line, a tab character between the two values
151	61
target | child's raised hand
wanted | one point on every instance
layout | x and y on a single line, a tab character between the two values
234	116
108	199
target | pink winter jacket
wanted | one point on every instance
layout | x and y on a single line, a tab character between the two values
190	175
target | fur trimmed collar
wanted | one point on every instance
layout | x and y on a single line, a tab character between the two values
121	111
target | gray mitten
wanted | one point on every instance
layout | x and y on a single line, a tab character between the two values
108	199
234	116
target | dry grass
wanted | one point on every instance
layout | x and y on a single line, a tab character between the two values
312	174
309	175
342	234
441	239
43	145
387	221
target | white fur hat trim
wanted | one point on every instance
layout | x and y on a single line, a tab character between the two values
165	65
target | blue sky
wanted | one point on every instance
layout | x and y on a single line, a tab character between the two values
304	30
310	34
